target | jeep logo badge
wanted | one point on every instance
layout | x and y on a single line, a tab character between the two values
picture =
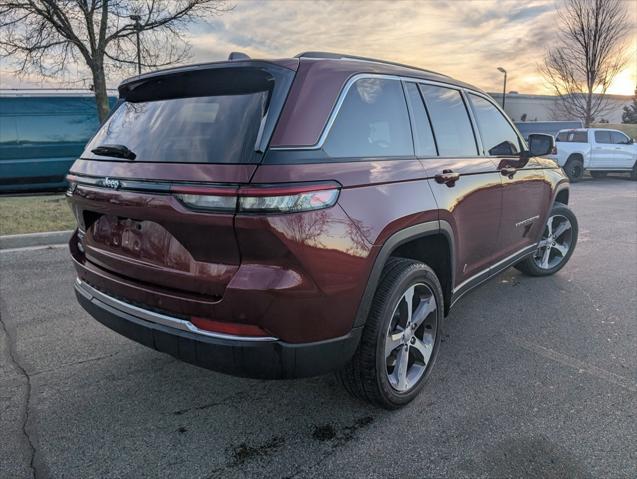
110	183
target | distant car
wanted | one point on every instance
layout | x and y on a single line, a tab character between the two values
597	150
545	127
41	133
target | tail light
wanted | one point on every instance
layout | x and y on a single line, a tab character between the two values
277	198
204	198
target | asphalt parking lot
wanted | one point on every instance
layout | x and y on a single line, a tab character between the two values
536	377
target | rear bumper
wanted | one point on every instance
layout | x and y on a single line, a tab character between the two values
265	358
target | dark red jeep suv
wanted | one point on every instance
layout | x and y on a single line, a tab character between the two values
286	218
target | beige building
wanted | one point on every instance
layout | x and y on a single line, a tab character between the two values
542	107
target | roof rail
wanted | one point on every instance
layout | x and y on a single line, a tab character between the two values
340	56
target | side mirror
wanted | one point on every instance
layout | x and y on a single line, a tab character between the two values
540	144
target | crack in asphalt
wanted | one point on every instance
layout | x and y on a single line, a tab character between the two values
573	363
13	356
82	361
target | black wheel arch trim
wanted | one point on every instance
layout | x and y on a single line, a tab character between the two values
399	238
563	185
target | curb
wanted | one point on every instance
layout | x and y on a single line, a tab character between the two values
35	239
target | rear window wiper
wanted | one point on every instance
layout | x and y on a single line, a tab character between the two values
116	151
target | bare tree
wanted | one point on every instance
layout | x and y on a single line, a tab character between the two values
48	36
588	54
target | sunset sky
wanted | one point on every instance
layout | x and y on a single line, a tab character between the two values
462	38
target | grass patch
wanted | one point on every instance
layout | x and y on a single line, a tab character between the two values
34	214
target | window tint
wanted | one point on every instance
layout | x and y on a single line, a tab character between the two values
573	136
34	129
619	138
8	133
602	137
372	122
498	136
209	129
423	136
450	121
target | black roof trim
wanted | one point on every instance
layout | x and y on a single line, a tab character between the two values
340	56
202	66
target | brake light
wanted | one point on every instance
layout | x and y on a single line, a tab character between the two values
287	199
275	198
236	329
207	198
209	202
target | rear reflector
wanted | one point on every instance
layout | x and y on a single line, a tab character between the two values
237	329
286	198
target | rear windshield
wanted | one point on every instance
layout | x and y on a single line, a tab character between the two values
572	137
214	129
214	114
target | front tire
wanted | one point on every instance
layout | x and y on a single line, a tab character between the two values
556	245
574	169
401	337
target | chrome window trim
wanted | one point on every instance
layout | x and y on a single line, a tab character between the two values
493	267
91	293
503	113
477	137
345	90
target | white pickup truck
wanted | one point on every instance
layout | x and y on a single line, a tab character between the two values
600	151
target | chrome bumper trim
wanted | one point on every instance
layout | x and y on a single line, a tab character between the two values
93	294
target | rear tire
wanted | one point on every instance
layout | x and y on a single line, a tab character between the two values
574	169
556	245
394	337
598	174
633	173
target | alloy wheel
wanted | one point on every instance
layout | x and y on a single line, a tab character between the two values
411	336
555	243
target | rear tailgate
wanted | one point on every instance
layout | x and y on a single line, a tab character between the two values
144	232
202	128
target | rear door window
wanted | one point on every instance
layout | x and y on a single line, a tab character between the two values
498	136
603	137
450	121
371	122
423	135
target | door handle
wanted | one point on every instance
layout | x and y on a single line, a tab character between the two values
448	177
508	171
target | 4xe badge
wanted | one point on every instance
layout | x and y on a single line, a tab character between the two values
110	183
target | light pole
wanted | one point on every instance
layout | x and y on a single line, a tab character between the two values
138	27
504	89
